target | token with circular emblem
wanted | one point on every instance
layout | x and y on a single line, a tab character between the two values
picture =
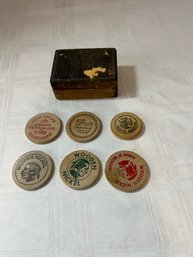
43	128
126	125
83	127
126	171
80	169
32	170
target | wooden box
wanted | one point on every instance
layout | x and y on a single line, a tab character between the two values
84	73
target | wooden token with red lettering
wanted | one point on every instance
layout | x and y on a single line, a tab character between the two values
126	125
43	128
32	170
83	127
126	171
80	169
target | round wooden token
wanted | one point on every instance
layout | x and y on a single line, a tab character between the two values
43	128
126	125
83	127
126	171
80	169
32	170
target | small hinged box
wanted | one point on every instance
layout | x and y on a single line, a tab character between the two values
84	73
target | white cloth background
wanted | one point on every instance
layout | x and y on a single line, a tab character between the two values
154	40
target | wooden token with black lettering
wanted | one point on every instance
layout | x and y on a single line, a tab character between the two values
32	170
126	125
43	128
80	169
83	127
126	171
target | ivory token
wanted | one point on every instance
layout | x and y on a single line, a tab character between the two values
126	171
80	169
83	127
32	170
126	125
43	128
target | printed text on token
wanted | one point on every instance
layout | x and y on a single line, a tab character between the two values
83	127
43	128
126	125
32	170
127	171
80	169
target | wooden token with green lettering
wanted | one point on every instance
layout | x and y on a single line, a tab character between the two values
32	170
126	171
126	125
83	127
80	169
43	128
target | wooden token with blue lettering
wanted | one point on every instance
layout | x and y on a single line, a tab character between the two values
80	169
127	171
32	170
83	127
126	125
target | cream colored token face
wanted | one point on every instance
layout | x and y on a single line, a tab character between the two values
126	125
32	170
43	128
127	171
80	169
83	127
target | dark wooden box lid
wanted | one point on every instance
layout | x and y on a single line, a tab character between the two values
84	68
